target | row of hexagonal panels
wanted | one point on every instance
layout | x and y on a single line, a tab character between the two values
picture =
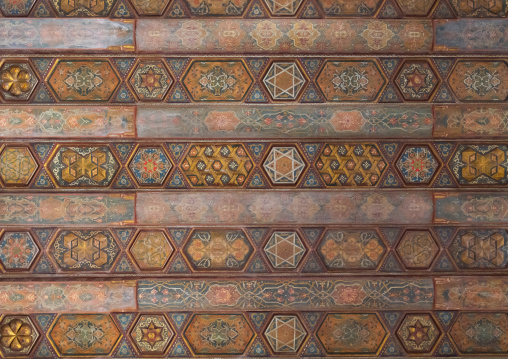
78	250
219	80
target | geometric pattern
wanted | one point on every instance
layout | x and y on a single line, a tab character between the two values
151	250
416	7
351	165
17	250
218	249
283	7
480	248
417	164
217	165
152	334
417	81
150	165
482	8
285	250
83	8
285	333
417	249
83	166
152	7
284	81
18	335
284	165
351	249
480	164
150	80
17	166
418	333
17	80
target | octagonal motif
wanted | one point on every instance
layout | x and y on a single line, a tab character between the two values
283	7
285	333
418	333
17	80
417	165
417	249
351	249
284	165
150	166
152	7
417	81
150	80
352	333
285	250
358	80
218	249
218	80
17	166
151	250
152	334
416	7
18	251
16	8
284	81
18	335
214	334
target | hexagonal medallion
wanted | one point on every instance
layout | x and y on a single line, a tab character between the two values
359	80
416	7
83	166
150	166
284	81
217	7
83	80
284	165
218	249
417	249
418	333
228	334
417	165
484	164
83	8
152	7
219	80
285	334
354	8
16	8
283	7
417	81
151	80
152	334
17	80
17	166
351	249
351	334
285	250
151	250
18	335
18	250
84	334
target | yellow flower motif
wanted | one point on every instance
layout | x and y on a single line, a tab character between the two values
16	335
15	80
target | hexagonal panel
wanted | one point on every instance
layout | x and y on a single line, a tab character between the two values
152	334
285	333
219	80
417	81
83	80
351	249
18	250
359	80
218	249
418	333
151	250
479	81
84	250
150	166
417	249
84	334
152	7
83	8
283	7
416	7
16	8
228	334
480	164
284	81
350	7
217	7
17	166
417	165
480	248
285	250
83	166
222	165
488	8
18	335
481	333
350	334
17	80
150	80
284	165
351	165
